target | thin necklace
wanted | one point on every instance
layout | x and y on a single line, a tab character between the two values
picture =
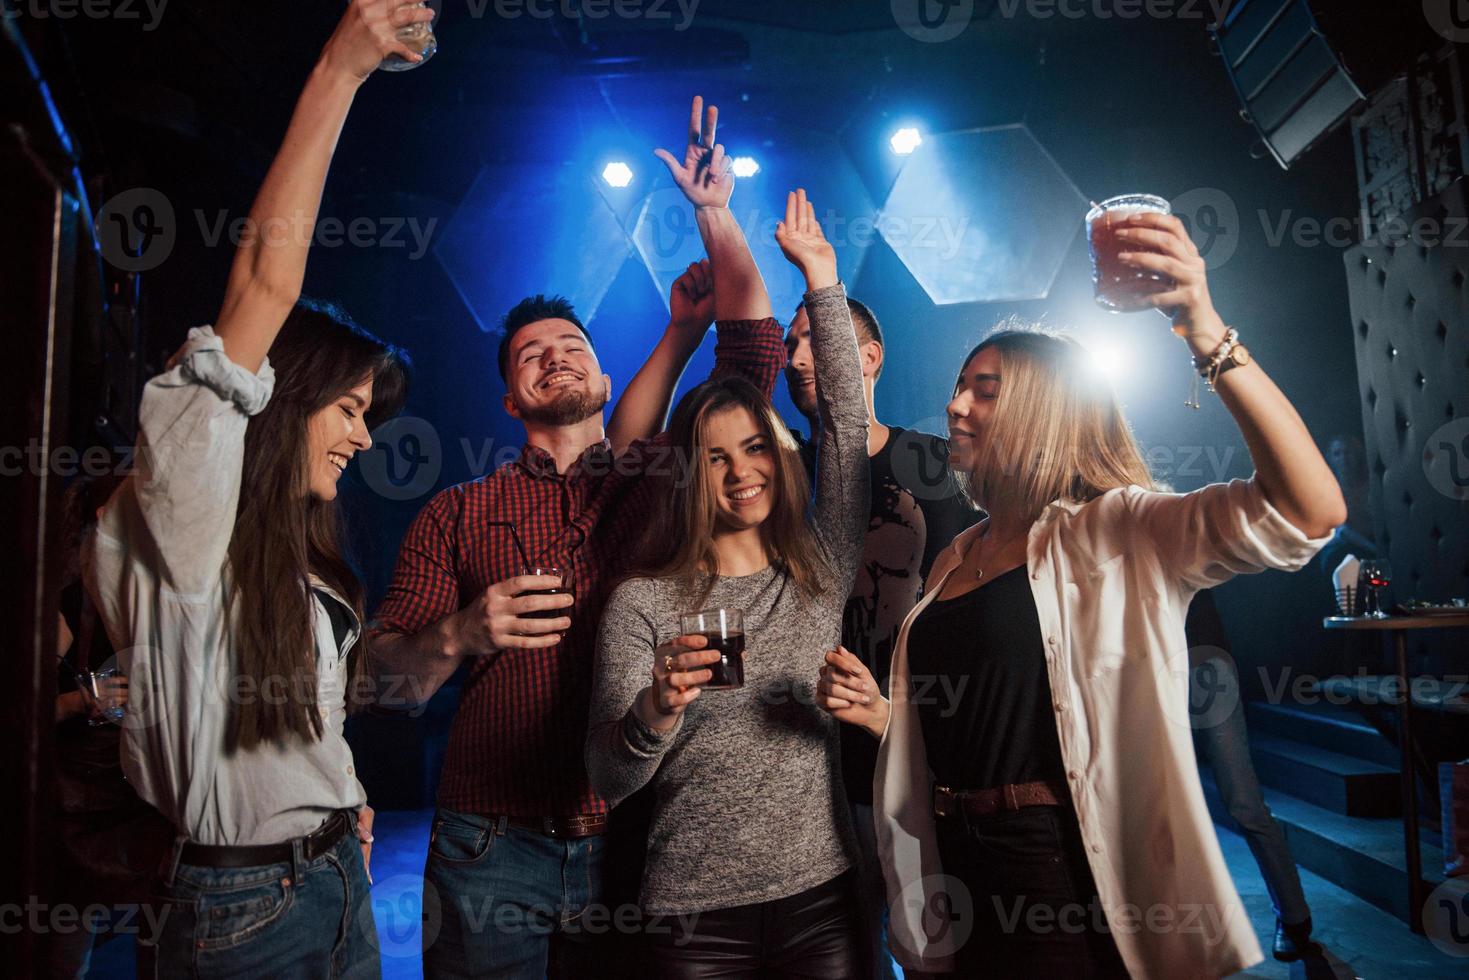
983	540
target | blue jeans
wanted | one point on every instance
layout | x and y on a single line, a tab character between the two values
515	903
1226	747
306	919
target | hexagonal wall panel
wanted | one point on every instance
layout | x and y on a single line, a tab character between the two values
523	230
982	216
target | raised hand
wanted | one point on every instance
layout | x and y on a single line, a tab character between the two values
800	238
691	300
849	693
703	175
501	618
368	33
1175	254
679	671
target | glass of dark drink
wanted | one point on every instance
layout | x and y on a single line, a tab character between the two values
1123	288
725	631
547	613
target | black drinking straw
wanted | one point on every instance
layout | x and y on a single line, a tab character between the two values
515	536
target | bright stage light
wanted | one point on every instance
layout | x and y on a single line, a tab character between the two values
745	166
1109	359
617	174
906	140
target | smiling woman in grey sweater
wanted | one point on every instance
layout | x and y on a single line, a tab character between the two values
750	829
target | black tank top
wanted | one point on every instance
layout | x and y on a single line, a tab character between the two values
980	686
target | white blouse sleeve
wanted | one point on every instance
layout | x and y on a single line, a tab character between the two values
1209	536
191	449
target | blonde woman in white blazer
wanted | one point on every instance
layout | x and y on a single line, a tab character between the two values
1099	858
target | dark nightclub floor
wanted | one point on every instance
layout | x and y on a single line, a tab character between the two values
1360	940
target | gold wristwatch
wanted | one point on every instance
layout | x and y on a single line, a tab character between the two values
1238	356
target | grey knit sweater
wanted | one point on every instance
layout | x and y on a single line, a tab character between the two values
749	804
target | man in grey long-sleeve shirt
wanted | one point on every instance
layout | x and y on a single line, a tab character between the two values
749	805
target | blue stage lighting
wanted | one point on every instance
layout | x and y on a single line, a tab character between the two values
906	140
617	174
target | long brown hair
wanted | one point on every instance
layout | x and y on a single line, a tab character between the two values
679	541
283	534
1057	431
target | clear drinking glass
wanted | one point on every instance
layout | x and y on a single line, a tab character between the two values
420	38
725	631
1118	287
101	685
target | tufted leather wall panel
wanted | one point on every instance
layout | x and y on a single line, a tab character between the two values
1409	294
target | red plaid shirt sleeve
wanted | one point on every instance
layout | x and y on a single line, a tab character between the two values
425	585
752	348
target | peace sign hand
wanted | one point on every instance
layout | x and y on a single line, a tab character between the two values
704	175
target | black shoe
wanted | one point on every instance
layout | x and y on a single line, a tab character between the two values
1293	942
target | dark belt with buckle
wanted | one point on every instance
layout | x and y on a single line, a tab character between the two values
982	802
567	827
313	846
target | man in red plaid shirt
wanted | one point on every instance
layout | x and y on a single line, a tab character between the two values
517	850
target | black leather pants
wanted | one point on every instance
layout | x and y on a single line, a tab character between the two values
815	934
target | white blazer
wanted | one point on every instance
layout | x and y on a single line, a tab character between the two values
1112	580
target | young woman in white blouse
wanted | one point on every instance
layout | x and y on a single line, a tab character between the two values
219	574
1038	805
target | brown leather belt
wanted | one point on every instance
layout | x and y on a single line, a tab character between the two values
567	827
982	802
313	846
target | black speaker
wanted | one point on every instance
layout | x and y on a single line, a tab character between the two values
1300	67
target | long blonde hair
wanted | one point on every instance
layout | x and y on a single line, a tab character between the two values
679	539
1057	431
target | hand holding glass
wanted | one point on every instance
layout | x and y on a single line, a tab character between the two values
725	631
1119	287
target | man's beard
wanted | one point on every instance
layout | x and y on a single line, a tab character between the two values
570	408
806	406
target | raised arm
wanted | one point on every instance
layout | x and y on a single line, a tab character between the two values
706	180
1289	469
270	263
643	408
842	480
